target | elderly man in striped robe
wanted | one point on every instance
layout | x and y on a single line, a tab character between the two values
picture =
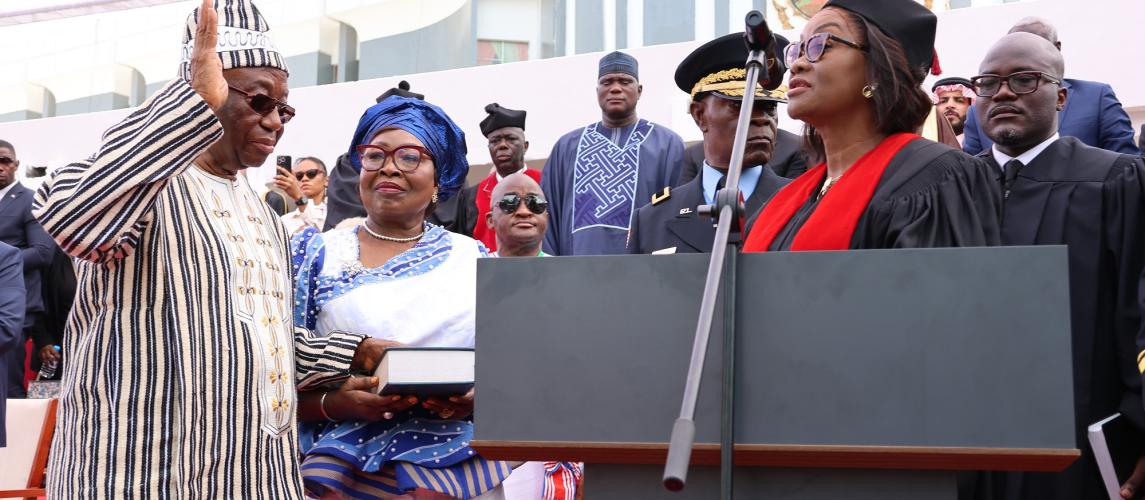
183	359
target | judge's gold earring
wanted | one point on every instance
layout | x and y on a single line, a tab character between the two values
869	90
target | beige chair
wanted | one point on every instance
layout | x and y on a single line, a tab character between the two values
30	425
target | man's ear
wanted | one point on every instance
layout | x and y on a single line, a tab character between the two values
698	111
1063	94
489	219
639	91
526	150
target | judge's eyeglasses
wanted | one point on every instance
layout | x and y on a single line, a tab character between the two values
535	203
1020	83
263	104
814	47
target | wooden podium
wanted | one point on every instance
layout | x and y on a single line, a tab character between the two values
863	374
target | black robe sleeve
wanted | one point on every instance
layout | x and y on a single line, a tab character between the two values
458	214
931	196
1124	195
343	201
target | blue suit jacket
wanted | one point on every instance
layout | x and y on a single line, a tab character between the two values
11	315
1092	113
19	229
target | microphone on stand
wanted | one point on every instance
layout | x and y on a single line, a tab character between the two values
758	37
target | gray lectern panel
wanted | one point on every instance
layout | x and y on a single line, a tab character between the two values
916	348
943	347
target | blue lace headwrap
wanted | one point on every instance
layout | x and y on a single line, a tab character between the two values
436	131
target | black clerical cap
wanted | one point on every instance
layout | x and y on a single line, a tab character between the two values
910	23
619	62
401	90
500	117
718	67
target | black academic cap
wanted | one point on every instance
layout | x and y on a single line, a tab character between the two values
910	23
401	90
500	117
619	62
718	67
953	80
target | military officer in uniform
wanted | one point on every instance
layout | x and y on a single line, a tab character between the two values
713	75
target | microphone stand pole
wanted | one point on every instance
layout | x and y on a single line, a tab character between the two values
721	267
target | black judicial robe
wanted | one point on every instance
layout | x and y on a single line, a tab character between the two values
1092	200
930	195
343	200
459	213
674	223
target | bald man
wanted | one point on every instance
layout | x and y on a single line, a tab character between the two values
1092	113
1059	191
518	216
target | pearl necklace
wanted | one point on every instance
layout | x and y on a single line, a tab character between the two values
381	236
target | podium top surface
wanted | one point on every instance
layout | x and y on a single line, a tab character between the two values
959	349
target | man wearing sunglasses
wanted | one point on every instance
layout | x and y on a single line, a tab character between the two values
183	376
714	75
1059	191
306	183
19	228
1092	113
519	216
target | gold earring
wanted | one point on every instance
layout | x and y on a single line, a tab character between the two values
434	197
868	91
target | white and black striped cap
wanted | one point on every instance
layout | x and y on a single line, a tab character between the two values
243	38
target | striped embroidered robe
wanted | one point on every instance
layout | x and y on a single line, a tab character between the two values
183	359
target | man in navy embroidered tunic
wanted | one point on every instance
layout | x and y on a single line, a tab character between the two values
596	176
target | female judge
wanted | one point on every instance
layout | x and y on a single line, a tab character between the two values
855	82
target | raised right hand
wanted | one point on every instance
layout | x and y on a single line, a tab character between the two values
206	67
356	400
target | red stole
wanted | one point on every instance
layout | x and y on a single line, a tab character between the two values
832	225
481	231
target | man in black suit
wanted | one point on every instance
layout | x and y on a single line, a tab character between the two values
714	76
12	305
1059	191
19	229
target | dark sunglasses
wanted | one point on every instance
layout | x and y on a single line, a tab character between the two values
264	104
309	174
4	160
814	47
535	203
1020	83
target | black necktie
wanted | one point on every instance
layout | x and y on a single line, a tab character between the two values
1010	175
720	184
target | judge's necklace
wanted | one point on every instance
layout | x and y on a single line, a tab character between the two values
380	236
827	184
